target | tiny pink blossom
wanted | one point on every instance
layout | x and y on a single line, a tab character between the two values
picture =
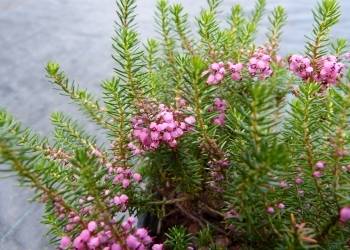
270	210
281	206
76	219
320	165
344	214
141	233
157	247
299	180
65	242
125	183
78	243
317	174
132	242
137	177
124	198
92	226
216	73
283	184
94	242
190	120
85	235
116	247
168	117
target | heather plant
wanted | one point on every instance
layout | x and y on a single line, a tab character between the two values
212	141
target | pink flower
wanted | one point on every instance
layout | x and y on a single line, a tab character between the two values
76	219
270	210
167	136
281	206
301	66
344	214
132	242
163	126
259	65
65	242
320	165
121	200
92	226
283	184
220	105
216	73
317	174
85	235
181	102
299	180
155	135
94	242
116	247
157	247
235	71
78	243
219	120
190	120
141	233
137	177
168	117
124	198
147	240
330	70
125	183
70	227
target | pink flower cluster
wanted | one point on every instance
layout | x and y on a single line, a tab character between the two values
271	209
138	238
125	177
73	218
166	127
121	201
219	106
99	236
89	238
216	73
319	167
328	69
301	66
259	65
235	70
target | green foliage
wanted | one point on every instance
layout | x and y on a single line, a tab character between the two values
204	237
339	47
128	54
277	20
86	101
326	15
178	238
180	20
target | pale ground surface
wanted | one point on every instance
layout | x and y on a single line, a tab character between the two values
76	33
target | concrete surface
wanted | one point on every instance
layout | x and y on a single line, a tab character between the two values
77	34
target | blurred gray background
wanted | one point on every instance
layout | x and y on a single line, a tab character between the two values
77	34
